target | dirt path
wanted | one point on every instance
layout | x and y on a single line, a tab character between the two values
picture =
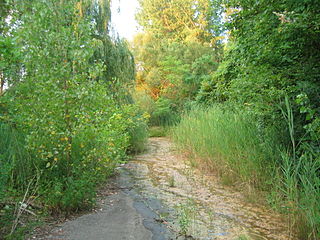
160	197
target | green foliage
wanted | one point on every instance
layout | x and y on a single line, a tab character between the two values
9	61
273	52
231	141
181	20
67	121
15	161
138	131
171	71
164	114
180	48
161	112
4	11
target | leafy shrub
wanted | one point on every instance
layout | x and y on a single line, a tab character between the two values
164	113
138	133
145	102
63	123
71	194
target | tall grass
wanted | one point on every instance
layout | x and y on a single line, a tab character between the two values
229	141
299	185
298	194
15	161
15	172
138	137
233	143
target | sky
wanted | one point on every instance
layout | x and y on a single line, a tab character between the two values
123	19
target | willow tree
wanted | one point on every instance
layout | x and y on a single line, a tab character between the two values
119	71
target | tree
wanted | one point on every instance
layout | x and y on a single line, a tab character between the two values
73	123
119	72
180	20
178	37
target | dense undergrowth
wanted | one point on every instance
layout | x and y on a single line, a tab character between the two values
232	143
258	122
66	118
239	78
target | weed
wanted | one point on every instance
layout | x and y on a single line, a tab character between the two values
243	153
171	181
243	237
299	185
187	213
138	137
158	131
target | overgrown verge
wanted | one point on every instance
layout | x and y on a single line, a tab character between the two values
232	142
65	116
50	175
270	75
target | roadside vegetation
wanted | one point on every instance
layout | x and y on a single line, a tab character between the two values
240	80
235	81
66	115
230	142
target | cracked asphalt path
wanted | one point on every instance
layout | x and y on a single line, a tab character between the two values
156	190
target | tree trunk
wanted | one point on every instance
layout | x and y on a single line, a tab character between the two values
1	83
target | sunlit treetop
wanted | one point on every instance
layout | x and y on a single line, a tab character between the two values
182	20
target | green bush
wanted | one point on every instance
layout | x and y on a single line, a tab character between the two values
138	135
164	113
71	194
145	102
65	123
